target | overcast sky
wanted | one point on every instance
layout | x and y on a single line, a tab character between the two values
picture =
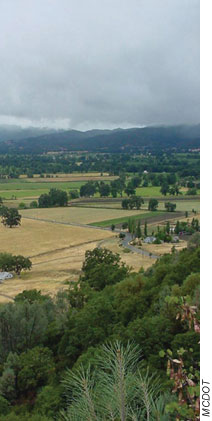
99	63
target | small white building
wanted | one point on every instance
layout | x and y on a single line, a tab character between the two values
149	240
5	275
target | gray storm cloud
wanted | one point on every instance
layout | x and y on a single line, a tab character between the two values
91	63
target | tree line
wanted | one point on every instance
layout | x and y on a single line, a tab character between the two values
186	167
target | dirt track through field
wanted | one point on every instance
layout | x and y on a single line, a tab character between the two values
59	251
6	296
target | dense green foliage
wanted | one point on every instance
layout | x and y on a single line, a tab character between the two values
88	189
10	263
55	197
40	337
10	217
170	207
134	202
186	227
161	167
153	204
102	267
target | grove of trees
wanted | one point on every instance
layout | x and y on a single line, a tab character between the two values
55	197
170	207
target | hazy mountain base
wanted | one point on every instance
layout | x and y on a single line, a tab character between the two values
150	139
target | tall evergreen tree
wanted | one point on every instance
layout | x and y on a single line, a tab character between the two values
138	230
145	229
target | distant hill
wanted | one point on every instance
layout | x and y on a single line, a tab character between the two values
144	139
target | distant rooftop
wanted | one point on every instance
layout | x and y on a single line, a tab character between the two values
5	275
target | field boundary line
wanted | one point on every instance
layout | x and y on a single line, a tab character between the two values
65	248
6	296
72	224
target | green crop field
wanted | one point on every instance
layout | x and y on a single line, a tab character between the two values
155	192
31	188
148	191
141	216
19	194
24	189
182	205
47	185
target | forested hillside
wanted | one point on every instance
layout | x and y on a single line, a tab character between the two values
180	138
154	317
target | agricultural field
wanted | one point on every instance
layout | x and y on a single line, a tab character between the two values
80	215
33	187
70	177
154	191
107	203
181	205
25	188
148	191
57	252
142	216
57	249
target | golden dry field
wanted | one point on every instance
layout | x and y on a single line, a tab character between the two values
78	215
160	249
70	177
57	252
99	204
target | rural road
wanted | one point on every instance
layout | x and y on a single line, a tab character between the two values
125	241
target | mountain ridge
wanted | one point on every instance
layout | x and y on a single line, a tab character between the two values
134	139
